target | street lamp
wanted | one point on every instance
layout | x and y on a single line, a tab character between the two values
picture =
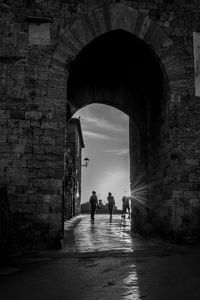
86	160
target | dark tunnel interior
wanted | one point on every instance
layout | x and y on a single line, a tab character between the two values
114	62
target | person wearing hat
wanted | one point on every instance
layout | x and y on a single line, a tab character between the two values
93	204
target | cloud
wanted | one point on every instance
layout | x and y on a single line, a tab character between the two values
100	123
94	119
120	152
96	135
109	173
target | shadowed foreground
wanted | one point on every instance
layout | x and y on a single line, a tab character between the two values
88	268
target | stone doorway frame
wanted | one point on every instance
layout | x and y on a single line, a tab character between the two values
74	37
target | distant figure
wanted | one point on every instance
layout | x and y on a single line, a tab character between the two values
125	206
111	203
93	204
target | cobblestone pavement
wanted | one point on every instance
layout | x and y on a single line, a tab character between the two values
102	260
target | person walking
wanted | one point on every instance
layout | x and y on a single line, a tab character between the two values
111	203
125	206
93	203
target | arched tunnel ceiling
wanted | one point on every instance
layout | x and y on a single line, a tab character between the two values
119	69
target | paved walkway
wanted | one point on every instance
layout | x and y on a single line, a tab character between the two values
101	234
102	260
105	235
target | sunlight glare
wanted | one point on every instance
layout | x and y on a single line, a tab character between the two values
131	285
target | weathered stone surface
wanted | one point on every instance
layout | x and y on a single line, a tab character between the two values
33	101
6	234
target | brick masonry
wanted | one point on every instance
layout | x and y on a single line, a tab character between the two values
33	101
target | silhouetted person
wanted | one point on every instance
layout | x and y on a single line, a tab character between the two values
93	204
125	206
111	203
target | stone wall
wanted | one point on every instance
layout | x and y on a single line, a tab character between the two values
72	182
6	230
33	95
32	130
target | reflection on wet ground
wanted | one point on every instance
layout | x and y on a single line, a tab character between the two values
103	260
103	234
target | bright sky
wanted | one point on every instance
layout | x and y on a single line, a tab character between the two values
106	137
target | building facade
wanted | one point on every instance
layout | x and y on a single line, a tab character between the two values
72	187
140	56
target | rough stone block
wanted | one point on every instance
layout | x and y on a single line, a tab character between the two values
57	93
24	123
4	114
54	149
35	140
33	198
34	115
12	172
28	148
195	202
189	194
50	125
37	164
39	149
192	162
47	140
18	148
13	138
5	148
38	131
18	115
177	194
19	181
35	124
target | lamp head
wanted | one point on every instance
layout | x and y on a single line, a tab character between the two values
86	161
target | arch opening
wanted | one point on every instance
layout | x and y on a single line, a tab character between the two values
120	70
151	77
106	138
116	60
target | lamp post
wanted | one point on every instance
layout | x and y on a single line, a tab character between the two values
86	160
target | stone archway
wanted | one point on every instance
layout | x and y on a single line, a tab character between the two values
117	17
120	70
35	106
75	37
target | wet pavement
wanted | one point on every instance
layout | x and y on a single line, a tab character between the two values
105	235
101	234
103	260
